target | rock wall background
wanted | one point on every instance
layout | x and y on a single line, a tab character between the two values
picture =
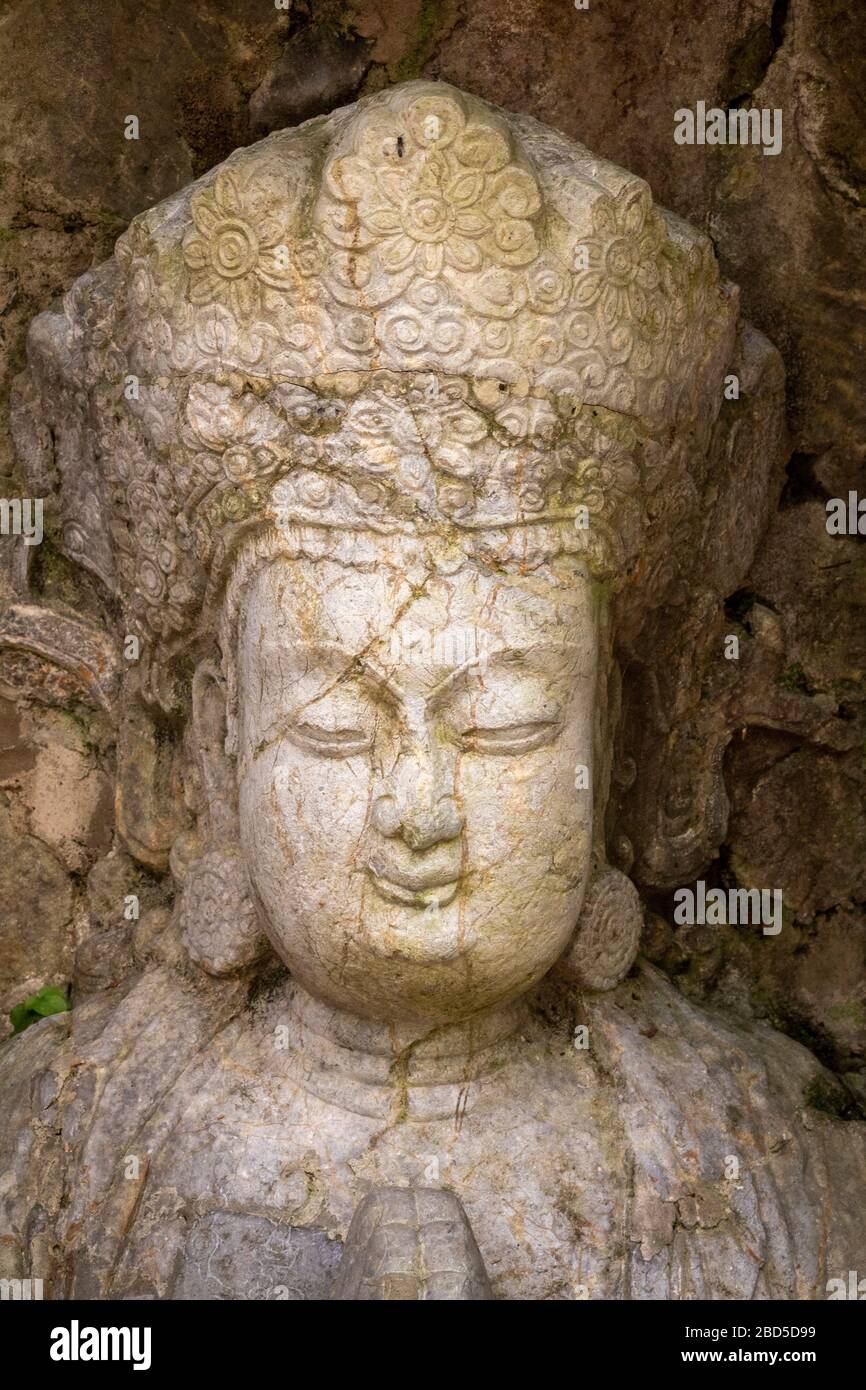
206	77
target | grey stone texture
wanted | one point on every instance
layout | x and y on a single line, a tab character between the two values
597	1173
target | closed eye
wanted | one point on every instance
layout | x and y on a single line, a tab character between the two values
330	743
510	738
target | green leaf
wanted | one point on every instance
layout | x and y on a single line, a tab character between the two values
20	1017
49	1000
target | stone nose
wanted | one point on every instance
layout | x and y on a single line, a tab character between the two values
420	826
417	803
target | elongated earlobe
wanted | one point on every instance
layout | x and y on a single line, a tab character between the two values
604	947
218	920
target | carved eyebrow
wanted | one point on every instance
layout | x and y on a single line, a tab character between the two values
518	657
355	663
358	663
454	676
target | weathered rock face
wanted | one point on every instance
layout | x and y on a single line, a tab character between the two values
384	327
674	1158
787	229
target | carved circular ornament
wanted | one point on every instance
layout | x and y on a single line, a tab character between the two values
606	942
218	922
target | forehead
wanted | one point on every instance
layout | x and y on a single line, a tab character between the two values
303	601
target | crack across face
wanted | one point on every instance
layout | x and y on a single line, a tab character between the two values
406	765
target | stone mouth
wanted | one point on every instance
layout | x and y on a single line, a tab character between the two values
414	890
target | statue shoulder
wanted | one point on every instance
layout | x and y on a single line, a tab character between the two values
728	1147
77	1087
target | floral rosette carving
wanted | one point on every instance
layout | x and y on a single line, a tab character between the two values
426	192
428	247
384	315
243	241
622	286
243	445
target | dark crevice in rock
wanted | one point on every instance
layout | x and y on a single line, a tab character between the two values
833	1097
320	68
739	604
801	484
753	56
778	24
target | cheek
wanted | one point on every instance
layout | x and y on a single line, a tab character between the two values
300	829
529	845
525	814
301	814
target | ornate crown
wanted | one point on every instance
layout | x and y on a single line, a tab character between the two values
416	314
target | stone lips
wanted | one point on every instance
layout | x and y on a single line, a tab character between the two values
419	314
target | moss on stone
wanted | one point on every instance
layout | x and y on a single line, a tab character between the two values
424	41
794	678
829	1096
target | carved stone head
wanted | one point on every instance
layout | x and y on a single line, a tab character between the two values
388	439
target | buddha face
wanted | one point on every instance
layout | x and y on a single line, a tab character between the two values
407	758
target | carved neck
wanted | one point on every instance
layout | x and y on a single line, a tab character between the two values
393	1071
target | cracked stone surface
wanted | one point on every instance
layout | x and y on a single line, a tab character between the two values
597	1173
787	229
293	368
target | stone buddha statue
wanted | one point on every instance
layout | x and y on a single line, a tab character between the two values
404	451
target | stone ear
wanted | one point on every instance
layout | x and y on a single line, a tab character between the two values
149	801
217	917
605	944
215	767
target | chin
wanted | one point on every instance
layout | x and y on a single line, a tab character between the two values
419	932
398	964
